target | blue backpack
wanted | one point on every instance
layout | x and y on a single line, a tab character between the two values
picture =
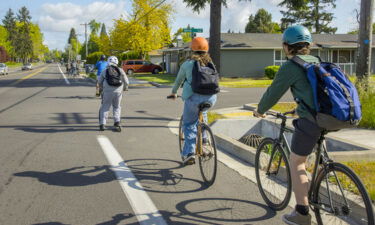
335	97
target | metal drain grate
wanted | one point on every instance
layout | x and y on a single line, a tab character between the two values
252	140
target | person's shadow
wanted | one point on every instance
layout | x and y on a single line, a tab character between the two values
76	176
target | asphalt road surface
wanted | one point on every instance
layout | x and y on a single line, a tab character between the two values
57	168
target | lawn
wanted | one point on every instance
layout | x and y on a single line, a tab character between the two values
365	170
168	79
13	64
244	82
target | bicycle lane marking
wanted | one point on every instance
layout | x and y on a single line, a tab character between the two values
143	207
62	73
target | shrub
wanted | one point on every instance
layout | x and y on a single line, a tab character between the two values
94	57
129	55
368	109
270	71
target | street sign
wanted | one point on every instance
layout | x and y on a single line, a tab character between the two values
197	30
193	30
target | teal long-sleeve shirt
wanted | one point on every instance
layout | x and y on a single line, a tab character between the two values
292	76
185	72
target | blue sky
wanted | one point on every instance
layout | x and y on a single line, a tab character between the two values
56	17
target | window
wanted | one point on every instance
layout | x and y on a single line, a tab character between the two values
344	56
138	63
335	56
279	57
146	63
130	63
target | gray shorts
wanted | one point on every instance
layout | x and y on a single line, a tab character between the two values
306	134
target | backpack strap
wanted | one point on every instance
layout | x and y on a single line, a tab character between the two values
311	111
300	62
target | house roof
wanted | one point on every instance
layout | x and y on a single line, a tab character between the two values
273	41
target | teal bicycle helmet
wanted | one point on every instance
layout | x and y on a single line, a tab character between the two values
296	34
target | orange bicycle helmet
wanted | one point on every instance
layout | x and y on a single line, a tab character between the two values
199	44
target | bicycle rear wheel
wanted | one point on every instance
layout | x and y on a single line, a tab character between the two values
181	137
273	174
339	197
208	160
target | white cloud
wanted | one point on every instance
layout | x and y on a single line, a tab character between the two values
62	17
182	10
236	15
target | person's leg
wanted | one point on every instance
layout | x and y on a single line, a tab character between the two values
104	108
300	180
190	119
116	104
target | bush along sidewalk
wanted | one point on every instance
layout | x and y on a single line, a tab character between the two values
270	71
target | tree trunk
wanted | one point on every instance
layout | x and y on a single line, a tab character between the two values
215	30
317	27
364	43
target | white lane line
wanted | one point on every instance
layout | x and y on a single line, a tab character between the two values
66	80
141	203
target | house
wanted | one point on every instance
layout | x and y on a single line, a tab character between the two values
246	55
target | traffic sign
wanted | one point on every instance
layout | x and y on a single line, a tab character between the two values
194	30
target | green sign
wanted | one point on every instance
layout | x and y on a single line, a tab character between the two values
193	30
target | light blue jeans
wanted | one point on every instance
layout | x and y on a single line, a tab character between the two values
190	119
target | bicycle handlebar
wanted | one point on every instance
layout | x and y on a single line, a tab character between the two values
281	115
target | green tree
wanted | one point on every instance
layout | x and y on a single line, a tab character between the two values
94	26
356	30
310	13
36	36
72	35
262	23
23	46
147	29
215	24
104	41
9	22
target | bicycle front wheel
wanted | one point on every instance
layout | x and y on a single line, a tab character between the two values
208	159
181	137
340	197
273	174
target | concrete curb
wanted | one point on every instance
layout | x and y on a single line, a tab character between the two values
159	85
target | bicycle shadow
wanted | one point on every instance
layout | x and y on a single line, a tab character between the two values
159	176
73	177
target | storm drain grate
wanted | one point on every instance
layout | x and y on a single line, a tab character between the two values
252	140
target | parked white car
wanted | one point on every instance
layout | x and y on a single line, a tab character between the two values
3	69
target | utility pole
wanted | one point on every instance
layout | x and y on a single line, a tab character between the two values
365	42
85	24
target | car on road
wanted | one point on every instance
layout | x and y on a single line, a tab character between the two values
3	69
27	66
140	66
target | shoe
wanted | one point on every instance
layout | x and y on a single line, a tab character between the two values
189	159
117	126
102	127
295	218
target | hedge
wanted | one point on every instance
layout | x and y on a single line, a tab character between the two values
270	71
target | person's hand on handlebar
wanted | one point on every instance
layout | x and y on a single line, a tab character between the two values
172	96
256	114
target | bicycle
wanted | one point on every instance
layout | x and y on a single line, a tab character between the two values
336	194
205	148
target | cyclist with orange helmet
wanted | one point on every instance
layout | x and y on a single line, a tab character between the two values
199	46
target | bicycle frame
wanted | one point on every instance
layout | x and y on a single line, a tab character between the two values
198	147
321	158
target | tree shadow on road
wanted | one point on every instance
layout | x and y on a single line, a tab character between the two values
73	177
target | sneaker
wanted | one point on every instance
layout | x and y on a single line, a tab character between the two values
189	159
101	127
295	218
117	126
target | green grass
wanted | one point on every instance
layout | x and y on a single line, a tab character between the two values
365	170
368	109
13	64
92	75
166	79
244	82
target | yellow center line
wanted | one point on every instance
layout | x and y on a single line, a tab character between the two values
28	76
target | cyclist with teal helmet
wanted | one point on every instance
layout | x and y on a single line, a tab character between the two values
296	41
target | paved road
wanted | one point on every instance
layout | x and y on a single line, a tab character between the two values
57	168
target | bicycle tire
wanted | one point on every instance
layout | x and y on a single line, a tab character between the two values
359	216
181	137
278	196
210	157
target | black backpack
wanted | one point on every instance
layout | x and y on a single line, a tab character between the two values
205	79
113	76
